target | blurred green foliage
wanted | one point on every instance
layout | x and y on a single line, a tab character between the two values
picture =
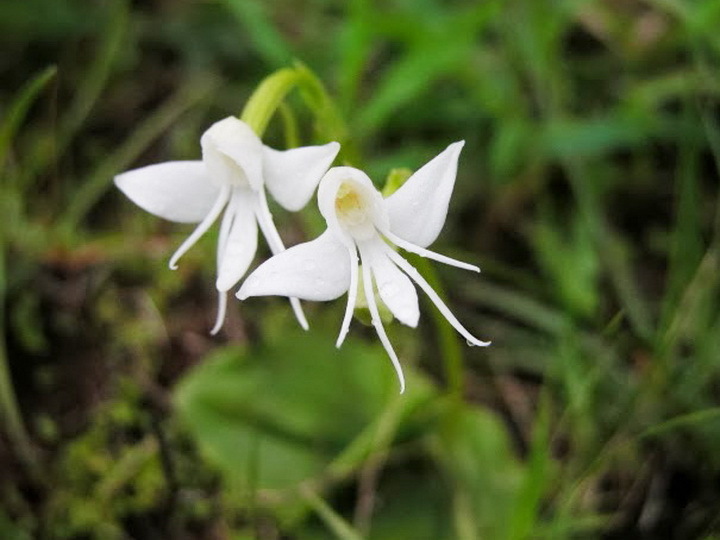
587	192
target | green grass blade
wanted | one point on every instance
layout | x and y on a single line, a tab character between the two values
98	73
686	248
269	42
19	108
87	92
100	179
334	521
535	481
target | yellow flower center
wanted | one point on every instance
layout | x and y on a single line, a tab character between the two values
350	205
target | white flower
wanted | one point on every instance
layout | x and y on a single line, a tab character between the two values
360	220
234	171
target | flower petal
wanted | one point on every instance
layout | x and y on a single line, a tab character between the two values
241	242
352	296
292	175
394	287
232	153
176	190
418	209
434	298
379	329
202	227
317	270
221	311
272	237
412	248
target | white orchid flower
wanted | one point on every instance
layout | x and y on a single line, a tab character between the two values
235	169
360	220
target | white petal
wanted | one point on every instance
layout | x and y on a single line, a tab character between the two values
222	309
267	225
394	287
317	270
232	153
418	209
444	310
241	243
291	176
377	323
202	227
352	296
176	190
412	248
272	237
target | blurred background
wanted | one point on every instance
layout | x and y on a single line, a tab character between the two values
587	192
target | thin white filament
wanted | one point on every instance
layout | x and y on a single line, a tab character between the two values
225	226
222	309
425	286
202	228
377	323
412	248
267	226
352	296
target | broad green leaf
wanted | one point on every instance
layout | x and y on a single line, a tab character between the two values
414	502
281	414
474	448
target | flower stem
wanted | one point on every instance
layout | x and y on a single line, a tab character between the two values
267	97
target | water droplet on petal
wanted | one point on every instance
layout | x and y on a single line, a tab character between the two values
470	343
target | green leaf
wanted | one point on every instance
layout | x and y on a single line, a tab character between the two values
281	414
587	137
534	484
269	42
17	111
415	504
474	448
572	264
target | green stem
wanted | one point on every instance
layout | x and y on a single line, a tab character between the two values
267	97
332	520
329	121
9	409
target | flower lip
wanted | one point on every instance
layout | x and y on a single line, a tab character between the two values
228	148
351	204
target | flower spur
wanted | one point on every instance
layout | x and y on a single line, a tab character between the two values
360	221
234	171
